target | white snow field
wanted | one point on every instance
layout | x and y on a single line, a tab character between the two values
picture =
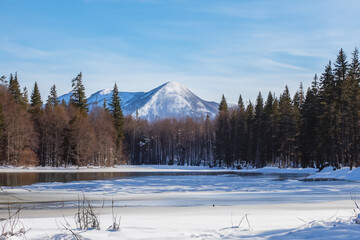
167	202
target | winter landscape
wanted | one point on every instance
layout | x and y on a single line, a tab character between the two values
151	119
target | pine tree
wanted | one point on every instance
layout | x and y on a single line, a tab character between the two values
353	109
233	136
298	103
259	153
269	123
341	68
287	128
241	104
118	117
340	74
327	118
78	98
241	137
35	97
52	98
223	107
309	124
249	131
25	97
14	88
223	147
3	80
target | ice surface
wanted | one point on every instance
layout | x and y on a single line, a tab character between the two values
194	206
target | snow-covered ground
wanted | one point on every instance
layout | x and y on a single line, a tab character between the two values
174	204
154	168
341	174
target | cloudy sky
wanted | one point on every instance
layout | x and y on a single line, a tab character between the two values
212	47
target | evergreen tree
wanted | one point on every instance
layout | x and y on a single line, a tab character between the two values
223	107
269	123
78	98
35	97
241	104
233	136
259	153
341	68
340	76
287	128
241	137
223	147
25	97
309	125
327	118
14	88
52	98
353	109
3	80
298	103
249	131
118	117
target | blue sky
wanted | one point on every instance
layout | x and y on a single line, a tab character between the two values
212	47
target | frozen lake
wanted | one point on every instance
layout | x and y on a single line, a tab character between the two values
172	188
166	204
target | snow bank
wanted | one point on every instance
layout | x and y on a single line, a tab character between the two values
157	168
118	168
283	170
341	174
329	220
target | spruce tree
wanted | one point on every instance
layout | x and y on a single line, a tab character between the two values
258	131
35	97
268	118
309	124
3	80
327	118
52	98
353	109
223	147
241	137
287	128
14	88
249	131
341	67
241	104
223	107
118	117
78	98
25	97
340	74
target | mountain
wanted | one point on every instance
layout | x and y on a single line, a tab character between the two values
171	99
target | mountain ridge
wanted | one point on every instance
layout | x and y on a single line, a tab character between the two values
169	100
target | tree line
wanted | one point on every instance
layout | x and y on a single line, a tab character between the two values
313	128
58	134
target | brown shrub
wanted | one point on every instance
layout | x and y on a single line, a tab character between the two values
28	158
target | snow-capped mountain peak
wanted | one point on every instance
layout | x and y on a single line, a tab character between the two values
105	91
174	87
171	99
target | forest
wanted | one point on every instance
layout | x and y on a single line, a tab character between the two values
316	127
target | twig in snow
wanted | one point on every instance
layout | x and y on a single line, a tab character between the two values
12	226
116	223
244	217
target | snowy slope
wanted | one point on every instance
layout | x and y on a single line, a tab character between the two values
171	99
